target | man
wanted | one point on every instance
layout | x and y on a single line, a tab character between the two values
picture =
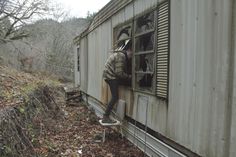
114	72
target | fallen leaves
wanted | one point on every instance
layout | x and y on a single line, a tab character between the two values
15	85
75	136
75	133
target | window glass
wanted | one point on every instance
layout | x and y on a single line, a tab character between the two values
144	52
144	63
144	81
145	23
144	42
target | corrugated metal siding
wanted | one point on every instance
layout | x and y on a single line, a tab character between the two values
76	76
133	9
199	57
119	7
233	121
99	44
110	9
141	5
84	64
156	112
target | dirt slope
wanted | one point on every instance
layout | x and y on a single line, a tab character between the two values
36	121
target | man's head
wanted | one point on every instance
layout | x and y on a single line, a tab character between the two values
128	49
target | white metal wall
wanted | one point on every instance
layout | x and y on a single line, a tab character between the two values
133	9
233	117
99	44
199	66
76	72
84	64
156	115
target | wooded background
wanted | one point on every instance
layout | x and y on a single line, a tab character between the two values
37	36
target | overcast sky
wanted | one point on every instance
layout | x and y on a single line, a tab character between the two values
80	8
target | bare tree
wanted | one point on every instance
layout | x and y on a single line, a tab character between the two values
16	13
58	13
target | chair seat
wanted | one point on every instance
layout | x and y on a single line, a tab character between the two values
110	124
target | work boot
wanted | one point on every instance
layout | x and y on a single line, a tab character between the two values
107	120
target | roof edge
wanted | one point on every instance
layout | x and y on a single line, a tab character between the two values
103	15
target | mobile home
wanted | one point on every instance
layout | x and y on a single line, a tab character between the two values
182	98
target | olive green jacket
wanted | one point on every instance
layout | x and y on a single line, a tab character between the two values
115	67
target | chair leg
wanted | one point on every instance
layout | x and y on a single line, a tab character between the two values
121	131
104	135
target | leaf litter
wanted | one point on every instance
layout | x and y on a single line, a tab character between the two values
74	132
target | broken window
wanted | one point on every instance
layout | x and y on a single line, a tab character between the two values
145	23
144	52
144	42
144	63
144	70
150	40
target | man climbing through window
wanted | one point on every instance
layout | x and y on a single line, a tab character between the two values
115	71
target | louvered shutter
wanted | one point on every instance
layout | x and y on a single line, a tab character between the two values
162	62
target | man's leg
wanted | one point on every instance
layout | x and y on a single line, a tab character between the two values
113	84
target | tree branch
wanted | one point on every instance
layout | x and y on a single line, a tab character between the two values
18	13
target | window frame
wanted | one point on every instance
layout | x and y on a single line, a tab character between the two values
154	51
147	52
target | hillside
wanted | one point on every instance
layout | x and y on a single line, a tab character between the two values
16	85
48	48
36	121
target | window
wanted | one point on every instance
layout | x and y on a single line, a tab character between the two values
144	55
151	57
150	40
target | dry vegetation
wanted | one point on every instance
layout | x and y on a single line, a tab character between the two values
35	120
15	85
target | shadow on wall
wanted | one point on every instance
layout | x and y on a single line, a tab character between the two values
1	60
